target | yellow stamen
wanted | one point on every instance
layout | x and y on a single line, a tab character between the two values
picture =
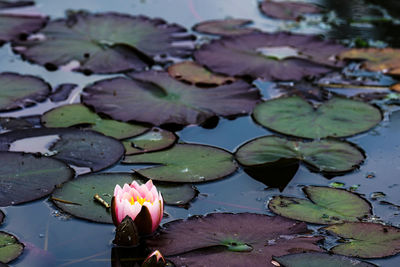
138	199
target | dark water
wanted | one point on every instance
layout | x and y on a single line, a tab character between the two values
56	239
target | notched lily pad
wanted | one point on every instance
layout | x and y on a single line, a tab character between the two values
366	240
185	163
78	114
105	42
223	239
10	247
288	10
225	27
324	206
276	56
167	100
326	156
18	91
77	196
153	140
25	177
338	117
316	259
193	73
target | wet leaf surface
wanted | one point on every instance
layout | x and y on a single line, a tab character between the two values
13	4
326	156
193	73
18	91
338	117
153	140
77	196
104	42
76	147
78	114
315	259
25	177
366	240
62	92
277	56
324	206
223	239
288	10
167	100
185	163
225	27
10	247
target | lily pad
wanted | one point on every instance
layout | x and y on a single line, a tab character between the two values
10	247
2	217
25	177
224	27
276	56
338	117
19	91
193	73
13	4
77	196
185	163
153	140
324	206
104	42
223	239
326	156
78	114
167	100
15	27
62	92
366	240
80	148
316	259
9	124
288	10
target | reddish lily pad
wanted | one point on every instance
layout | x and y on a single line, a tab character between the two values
78	114
153	140
288	10
185	163
338	117
104	42
167	100
277	56
77	196
225	27
193	73
25	177
18	91
76	147
13	27
222	239
13	4
366	240
324	206
10	247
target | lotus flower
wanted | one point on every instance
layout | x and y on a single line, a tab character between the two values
143	203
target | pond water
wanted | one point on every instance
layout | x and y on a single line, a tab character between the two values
53	238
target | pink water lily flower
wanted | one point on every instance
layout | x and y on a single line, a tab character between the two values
143	203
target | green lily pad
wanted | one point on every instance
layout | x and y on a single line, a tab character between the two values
225	27
366	240
326	156
77	196
185	163
104	42
324	205
17	91
13	27
153	140
2	217
26	177
316	259
223	239
78	114
338	117
10	247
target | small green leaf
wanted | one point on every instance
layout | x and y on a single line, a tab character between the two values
10	247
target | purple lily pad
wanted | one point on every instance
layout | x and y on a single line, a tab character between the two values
166	100
225	27
288	10
62	92
223	239
277	56
13	4
105	42
15	27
